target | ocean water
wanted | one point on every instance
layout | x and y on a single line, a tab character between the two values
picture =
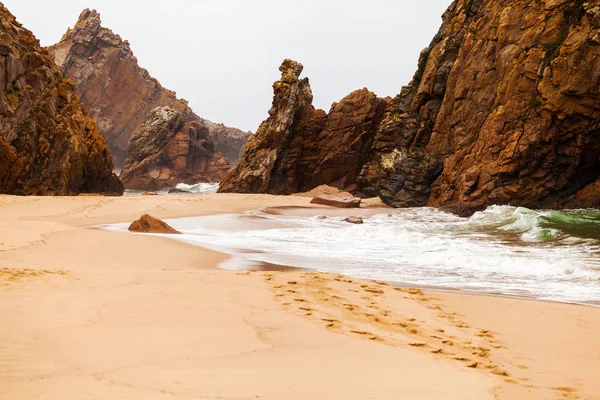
549	255
198	188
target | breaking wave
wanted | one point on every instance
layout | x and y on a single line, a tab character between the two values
198	188
551	255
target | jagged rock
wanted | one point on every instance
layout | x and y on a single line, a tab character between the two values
503	109
337	201
117	92
299	148
48	145
354	220
149	224
171	148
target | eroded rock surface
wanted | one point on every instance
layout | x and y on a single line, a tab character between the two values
503	109
299	147
171	148
48	145
117	92
149	224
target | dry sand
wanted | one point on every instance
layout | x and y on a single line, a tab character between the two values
89	314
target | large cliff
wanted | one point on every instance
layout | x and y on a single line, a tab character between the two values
48	145
117	92
503	109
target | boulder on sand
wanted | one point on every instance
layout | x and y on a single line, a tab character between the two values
149	224
337	201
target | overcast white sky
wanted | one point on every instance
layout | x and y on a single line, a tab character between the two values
223	55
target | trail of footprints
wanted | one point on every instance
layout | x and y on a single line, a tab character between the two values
362	311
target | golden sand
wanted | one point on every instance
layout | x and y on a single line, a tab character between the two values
90	314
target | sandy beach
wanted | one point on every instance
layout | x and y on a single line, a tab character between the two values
91	314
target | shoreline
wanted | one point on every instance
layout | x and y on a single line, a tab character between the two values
87	310
244	263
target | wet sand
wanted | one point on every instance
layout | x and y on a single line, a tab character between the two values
90	314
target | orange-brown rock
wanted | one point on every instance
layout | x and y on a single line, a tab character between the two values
117	92
503	109
337	201
299	148
149	224
48	145
171	148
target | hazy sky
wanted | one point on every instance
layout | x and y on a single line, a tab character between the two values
223	55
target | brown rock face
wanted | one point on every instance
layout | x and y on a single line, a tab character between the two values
171	148
48	145
299	148
118	93
503	109
149	224
504	101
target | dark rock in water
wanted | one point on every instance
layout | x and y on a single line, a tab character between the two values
48	145
178	191
503	109
118	93
354	220
149	224
171	148
337	201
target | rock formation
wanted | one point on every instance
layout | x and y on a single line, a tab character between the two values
149	224
337	201
48	145
171	148
117	92
299	148
503	109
